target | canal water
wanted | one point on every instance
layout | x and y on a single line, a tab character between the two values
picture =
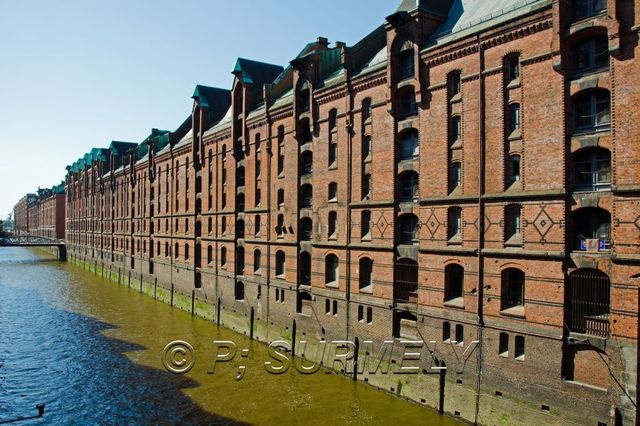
92	352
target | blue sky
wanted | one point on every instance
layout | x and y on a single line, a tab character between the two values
78	74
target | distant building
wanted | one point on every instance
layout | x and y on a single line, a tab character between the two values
21	214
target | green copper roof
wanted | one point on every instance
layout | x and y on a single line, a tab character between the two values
438	7
256	73
216	101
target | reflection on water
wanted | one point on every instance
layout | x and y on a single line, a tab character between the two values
92	350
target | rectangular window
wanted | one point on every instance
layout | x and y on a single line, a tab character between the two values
360	313
459	334
335	308
327	307
369	315
519	349
503	349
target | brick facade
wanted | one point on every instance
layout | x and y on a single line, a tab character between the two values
453	181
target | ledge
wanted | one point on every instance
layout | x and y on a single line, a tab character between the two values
525	253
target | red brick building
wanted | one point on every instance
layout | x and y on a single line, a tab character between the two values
21	214
45	213
467	174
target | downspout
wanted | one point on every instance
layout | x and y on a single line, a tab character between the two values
481	190
349	129
269	159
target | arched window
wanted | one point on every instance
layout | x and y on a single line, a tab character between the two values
332	193
331	269
406	65
588	299
305	268
223	225
240	261
176	251
455	176
304	97
454	83
240	202
408	224
240	181
512	219
406	281
592	227
593	170
592	111
306	231
333	119
591	54
365	224
257	225
166	249
366	109
455	133
454	222
280	197
409	186
513	169
513	118
332	225
280	225
366	274
305	131
406	101
186	252
366	148
239	291
280	259
223	257
257	261
453	283
366	186
409	144
306	196
512	68
306	160
209	254
512	289
240	229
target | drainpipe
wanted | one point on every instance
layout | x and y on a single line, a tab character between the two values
481	190
349	129
269	152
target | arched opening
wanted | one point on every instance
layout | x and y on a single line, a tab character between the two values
592	111
239	291
406	103
240	261
405	289
306	229
408	186
365	271
592	170
209	254
591	54
592	228
306	196
409	144
304	129
306	163
408	224
240	202
405	59
257	261
454	284
240	176
240	229
331	269
280	260
588	302
512	291
305	268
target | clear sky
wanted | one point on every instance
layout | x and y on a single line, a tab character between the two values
79	74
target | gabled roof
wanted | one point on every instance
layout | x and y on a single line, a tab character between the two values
100	154
120	148
256	73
